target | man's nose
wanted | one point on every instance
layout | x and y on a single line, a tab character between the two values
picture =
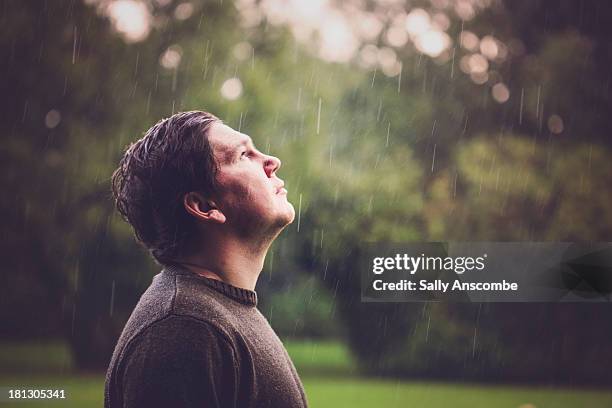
272	164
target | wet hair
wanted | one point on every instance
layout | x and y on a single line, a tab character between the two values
174	157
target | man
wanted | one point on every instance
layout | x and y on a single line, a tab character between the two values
207	205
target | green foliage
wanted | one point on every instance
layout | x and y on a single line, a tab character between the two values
35	357
514	188
304	309
321	358
441	346
373	196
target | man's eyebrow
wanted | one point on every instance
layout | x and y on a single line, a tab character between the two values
230	152
244	142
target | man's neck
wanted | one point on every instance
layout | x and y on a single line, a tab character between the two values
229	260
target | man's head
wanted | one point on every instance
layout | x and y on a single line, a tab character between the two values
190	176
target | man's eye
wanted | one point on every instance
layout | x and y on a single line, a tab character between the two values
244	154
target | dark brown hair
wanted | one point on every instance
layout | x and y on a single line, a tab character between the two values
173	158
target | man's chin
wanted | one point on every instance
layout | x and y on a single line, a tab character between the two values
292	213
287	218
290	219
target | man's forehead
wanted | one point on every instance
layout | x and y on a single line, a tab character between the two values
224	137
225	142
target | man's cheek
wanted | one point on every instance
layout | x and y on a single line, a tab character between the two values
232	186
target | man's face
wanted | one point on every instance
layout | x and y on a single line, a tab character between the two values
251	196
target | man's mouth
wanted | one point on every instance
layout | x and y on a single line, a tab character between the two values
280	189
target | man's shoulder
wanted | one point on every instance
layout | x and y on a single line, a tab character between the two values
171	296
180	335
177	303
154	304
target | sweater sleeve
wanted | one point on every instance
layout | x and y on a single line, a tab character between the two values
180	362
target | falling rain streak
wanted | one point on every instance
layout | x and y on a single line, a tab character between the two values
319	117
399	77
433	158
388	131
299	213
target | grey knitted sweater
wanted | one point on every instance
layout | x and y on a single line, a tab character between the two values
198	342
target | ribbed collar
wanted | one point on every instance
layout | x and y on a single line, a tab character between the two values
245	296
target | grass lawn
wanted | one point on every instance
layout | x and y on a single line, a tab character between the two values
87	391
329	376
359	392
82	390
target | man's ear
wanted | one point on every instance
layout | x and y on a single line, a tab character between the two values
201	208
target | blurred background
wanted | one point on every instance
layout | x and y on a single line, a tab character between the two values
440	120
